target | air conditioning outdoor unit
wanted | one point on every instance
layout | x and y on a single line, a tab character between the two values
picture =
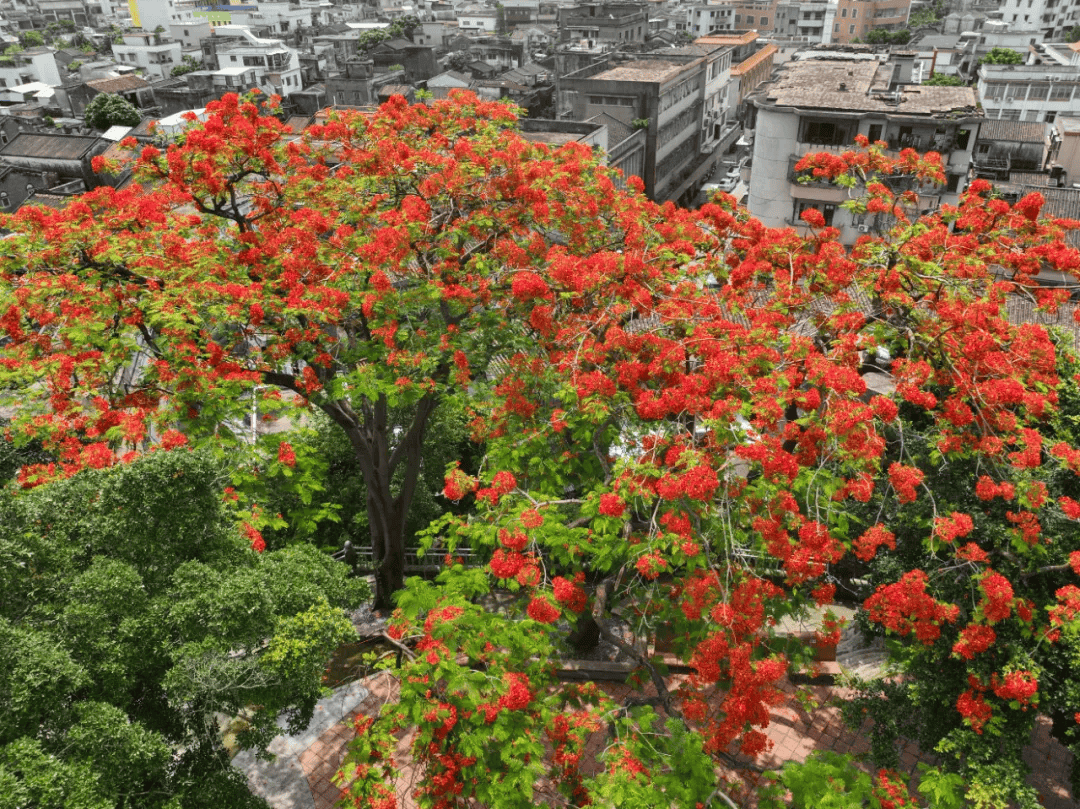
864	228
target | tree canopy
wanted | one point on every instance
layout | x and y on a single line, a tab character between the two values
107	109
1003	56
944	80
694	425
133	613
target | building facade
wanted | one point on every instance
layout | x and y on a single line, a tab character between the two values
822	104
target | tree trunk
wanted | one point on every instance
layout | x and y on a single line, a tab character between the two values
387	529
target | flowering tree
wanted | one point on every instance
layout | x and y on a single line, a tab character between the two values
681	434
700	453
361	268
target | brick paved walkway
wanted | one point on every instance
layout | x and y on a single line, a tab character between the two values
305	767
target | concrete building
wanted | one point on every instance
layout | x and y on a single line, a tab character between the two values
276	65
664	94
821	104
30	65
604	23
1051	18
155	55
806	21
1033	92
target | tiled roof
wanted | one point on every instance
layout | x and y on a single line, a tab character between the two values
618	131
648	70
748	64
119	84
49	146
1018	131
1029	178
853	85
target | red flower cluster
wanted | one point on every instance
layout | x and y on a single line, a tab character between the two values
997	601
569	594
974	709
974	639
542	610
611	505
954	526
286	455
651	565
904	479
866	545
1019	686
906	607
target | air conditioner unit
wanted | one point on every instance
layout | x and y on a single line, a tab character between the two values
864	228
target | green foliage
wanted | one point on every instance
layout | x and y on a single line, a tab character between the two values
106	109
881	36
132	614
187	65
1073	34
32	39
943	80
74	65
1003	56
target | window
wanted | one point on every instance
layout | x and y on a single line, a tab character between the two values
5	200
843	12
1050	116
1031	115
854	13
953	183
874	133
826	133
836	28
1060	92
737	18
827	210
851	29
962	138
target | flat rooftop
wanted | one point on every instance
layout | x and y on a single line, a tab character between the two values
648	70
859	85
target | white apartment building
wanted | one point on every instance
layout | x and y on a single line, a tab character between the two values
275	64
822	104
31	65
155	55
1033	92
1052	18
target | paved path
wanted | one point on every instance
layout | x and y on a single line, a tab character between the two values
301	776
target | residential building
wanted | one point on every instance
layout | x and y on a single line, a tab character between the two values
604	23
31	65
155	55
1005	147
276	64
64	157
665	96
821	104
1033	92
73	99
1051	18
477	20
75	11
1065	154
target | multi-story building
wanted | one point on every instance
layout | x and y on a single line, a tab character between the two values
604	23
665	94
234	46
1051	18
821	104
811	21
1033	92
154	54
31	65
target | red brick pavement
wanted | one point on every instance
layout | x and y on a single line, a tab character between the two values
793	731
